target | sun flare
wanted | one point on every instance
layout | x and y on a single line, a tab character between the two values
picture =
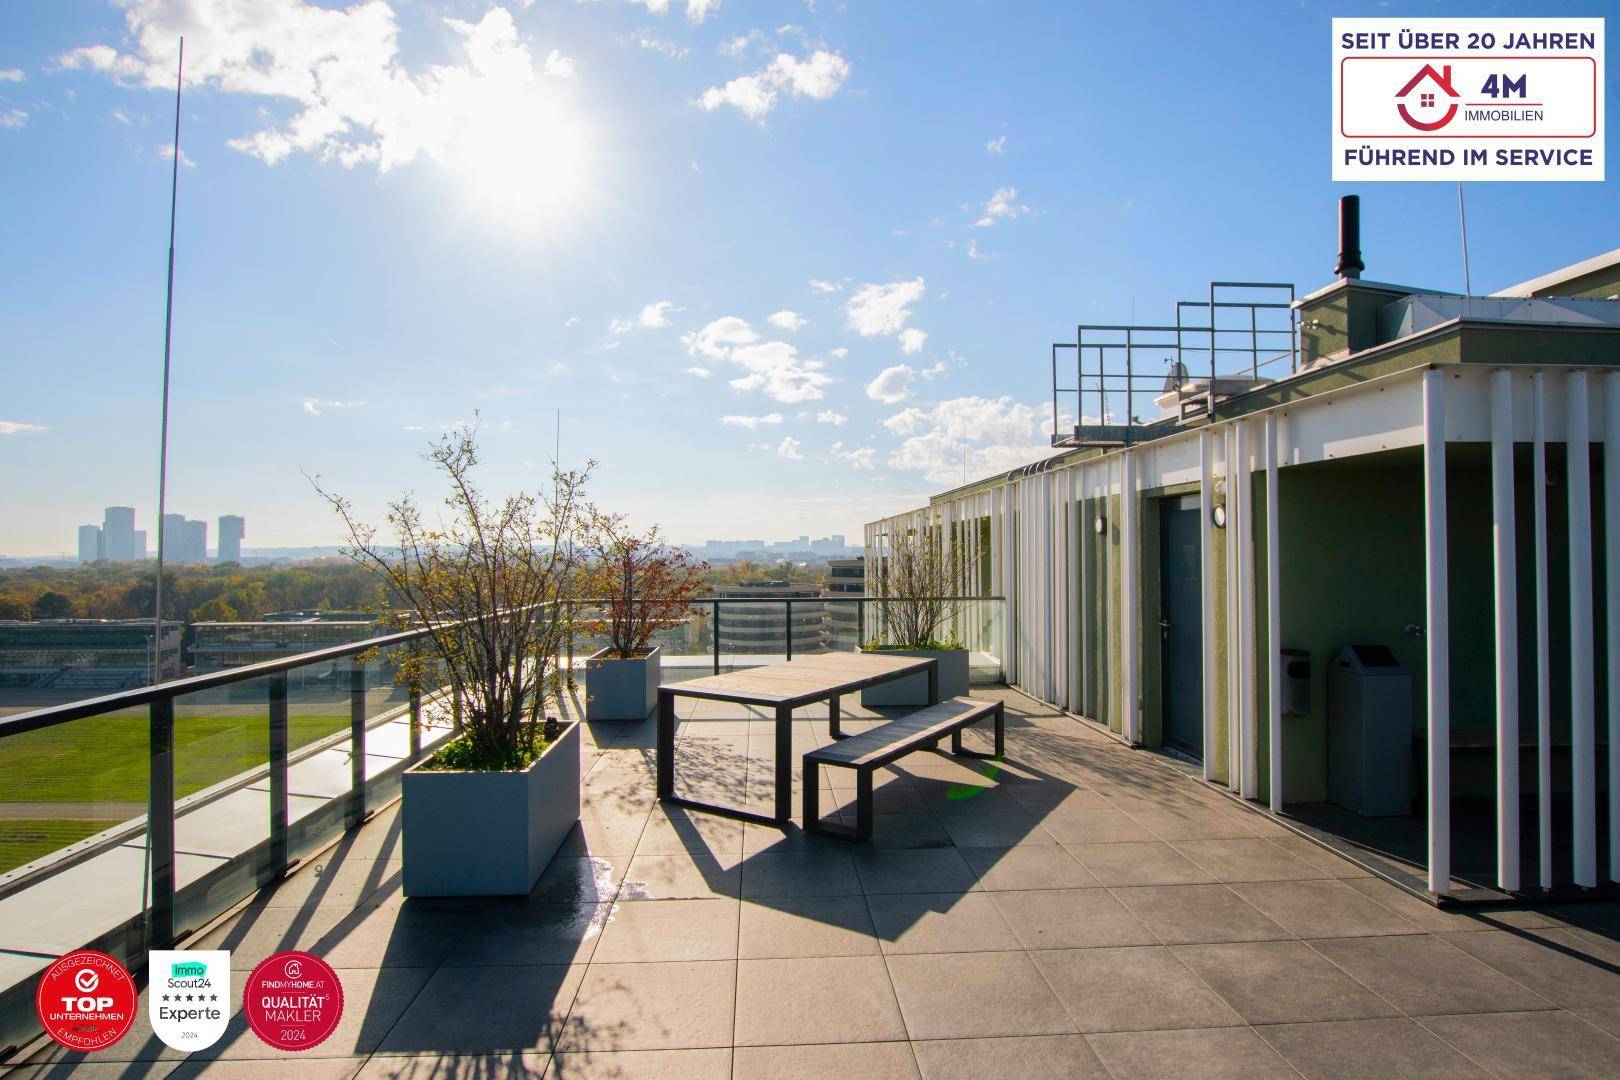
524	161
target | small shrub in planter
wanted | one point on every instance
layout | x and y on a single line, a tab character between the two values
913	578
644	585
489	585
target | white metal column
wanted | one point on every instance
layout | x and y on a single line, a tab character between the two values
1247	687
1130	615
1206	570
1538	489
1274	723
1234	629
1505	550
1611	610
1438	633
1582	705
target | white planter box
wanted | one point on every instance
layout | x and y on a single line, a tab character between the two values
489	833
622	689
913	689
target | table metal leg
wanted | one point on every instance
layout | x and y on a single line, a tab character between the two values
933	682
666	744
784	763
834	718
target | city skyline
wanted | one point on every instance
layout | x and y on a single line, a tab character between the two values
185	540
862	320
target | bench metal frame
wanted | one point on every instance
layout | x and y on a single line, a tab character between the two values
864	770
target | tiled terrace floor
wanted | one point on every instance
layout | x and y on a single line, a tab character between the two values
1082	911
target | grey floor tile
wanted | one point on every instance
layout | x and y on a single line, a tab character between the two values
531	934
1071	919
691	875
1330	864
1539	1044
1321	909
473	1011
580	880
1188	914
1552	963
1150	862
677	831
398	933
1132	989
1192	823
1425	975
1107	826
1028	1057
914	871
617	834
1252	858
659	930
1396	1048
1030	867
790	926
829	872
998	828
1216	1053
709	1064
288	1068
874	1060
896	832
838	999
1282	982
971	995
455	1066
652	1007
939	922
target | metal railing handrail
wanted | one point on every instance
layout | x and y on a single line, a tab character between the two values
52	715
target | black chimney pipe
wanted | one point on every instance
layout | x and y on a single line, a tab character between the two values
1350	264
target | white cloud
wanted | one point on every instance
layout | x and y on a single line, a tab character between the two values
698	372
1001	206
716	339
698	10
354	100
751	422
980	435
559	66
973	251
573	320
663	46
883	309
11	75
121	116
317	406
656	314
620	326
863	458
911	340
828	416
166	152
17	427
825	286
787	320
772	367
13	118
892	385
906	421
838	353
996	146
817	77
789	448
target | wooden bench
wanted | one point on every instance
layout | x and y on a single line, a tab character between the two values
873	749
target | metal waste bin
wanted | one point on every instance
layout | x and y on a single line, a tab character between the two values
1370	732
1296	682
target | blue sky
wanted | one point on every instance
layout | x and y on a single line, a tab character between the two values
396	213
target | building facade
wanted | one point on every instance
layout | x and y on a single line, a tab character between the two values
1421	488
90	549
762	627
232	528
118	534
88	656
846	578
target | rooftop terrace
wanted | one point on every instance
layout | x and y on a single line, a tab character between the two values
1084	909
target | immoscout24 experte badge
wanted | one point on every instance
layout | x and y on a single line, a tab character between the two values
189	996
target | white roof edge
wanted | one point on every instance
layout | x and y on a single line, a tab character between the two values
1568	273
1341	283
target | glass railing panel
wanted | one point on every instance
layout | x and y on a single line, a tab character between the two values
687	641
320	770
71	796
385	701
221	798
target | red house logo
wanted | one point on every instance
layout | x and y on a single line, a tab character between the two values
1426	84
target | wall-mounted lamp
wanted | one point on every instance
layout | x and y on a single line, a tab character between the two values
1100	525
1218	515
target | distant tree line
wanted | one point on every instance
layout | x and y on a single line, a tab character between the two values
741	573
191	593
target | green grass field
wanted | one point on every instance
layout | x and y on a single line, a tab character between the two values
26	839
105	758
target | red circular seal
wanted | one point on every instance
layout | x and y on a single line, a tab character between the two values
86	1000
293	1000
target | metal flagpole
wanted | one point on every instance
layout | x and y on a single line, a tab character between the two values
1462	220
168	326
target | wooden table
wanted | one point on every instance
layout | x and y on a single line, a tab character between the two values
782	687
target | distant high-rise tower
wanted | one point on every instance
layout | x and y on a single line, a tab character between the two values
231	530
140	543
90	543
174	527
118	533
195	542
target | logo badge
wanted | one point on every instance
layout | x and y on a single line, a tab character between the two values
86	1001
293	1000
189	996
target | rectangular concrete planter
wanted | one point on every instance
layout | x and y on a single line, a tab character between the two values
489	833
913	689
622	689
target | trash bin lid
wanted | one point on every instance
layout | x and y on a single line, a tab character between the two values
1369	659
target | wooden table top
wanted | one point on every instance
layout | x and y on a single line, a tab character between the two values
799	682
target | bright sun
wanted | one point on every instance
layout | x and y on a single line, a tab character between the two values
524	162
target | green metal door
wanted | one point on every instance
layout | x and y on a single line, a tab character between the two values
1180	626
